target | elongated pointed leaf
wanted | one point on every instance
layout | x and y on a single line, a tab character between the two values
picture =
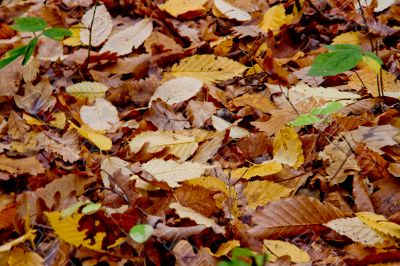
29	24
331	64
57	34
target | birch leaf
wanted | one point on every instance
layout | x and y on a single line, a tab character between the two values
124	41
101	116
208	68
177	90
101	28
173	172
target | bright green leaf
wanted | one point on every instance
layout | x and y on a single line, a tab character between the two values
31	48
57	34
12	55
343	48
91	208
327	109
141	232
331	64
305	119
29	24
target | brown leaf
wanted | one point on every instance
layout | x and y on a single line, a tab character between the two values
371	163
196	197
165	118
208	148
386	199
29	165
361	196
336	199
7	215
292	216
16	126
257	144
199	112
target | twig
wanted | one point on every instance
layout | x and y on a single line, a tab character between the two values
90	35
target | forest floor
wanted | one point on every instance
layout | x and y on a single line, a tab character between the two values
202	132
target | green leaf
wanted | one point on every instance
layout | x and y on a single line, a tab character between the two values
30	49
343	47
305	119
91	208
29	24
141	232
327	109
331	64
373	56
12	55
73	208
57	34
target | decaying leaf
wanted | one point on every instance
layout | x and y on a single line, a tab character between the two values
101	28
279	248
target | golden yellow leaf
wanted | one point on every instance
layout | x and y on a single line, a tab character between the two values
208	68
30	235
259	193
350	37
287	147
226	247
278	248
266	168
225	9
380	224
101	141
32	121
257	101
372	64
59	120
87	89
75	38
21	257
273	19
356	230
67	230
180	7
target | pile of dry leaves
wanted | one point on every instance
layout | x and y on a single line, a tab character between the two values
175	116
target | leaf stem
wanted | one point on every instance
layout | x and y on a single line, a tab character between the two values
90	35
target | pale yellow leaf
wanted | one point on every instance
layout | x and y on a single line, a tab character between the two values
101	28
356	230
209	182
75	38
100	116
380	224
173	172
266	168
227	10
208	68
279	248
101	141
287	147
180	7
177	90
350	37
259	193
21	257
179	145
87	89
125	40
185	212
30	235
372	64
235	132
257	101
273	19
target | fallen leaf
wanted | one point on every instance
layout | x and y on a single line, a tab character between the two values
87	89
199	112
351	37
234	131
278	248
257	101
30	235
30	165
259	193
19	256
101	141
266	168
179	7
101	28
288	148
273	19
225	9
100	116
197	198
379	223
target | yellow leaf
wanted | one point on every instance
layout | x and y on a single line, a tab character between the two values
21	257
75	39
30	235
225	9
356	230
179	145
278	248
287	147
351	37
177	90
208	68
59	120
32	121
226	247
173	172
273	19
372	64
379	223
180	7
67	230
266	168
87	89
257	101
101	141
259	193
390	83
